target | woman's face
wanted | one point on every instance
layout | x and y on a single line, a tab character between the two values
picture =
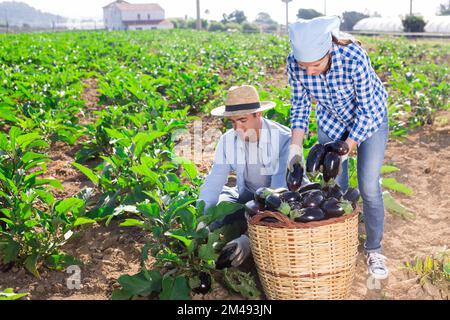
316	67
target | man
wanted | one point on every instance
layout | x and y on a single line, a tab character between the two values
256	149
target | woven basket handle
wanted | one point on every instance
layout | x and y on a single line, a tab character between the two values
279	216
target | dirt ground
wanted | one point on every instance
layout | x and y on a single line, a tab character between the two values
109	252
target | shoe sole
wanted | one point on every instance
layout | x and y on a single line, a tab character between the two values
378	276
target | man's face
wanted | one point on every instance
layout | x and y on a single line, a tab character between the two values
247	126
316	67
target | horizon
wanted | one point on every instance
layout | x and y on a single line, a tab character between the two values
179	9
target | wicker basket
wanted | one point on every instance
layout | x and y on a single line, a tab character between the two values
314	260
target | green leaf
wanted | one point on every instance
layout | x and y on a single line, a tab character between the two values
121	294
393	184
243	283
61	261
142	139
189	167
396	208
69	205
87	172
24	140
206	252
30	264
7	113
51	182
175	289
388	169
11	251
47	197
145	171
220	211
8	294
179	235
142	283
83	220
132	223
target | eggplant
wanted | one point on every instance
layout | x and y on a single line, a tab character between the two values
261	194
333	192
253	208
224	260
294	178
279	190
352	195
309	186
311	214
290	196
339	147
273	201
332	208
315	158
313	200
205	283
331	164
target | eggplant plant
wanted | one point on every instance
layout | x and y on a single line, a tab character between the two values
184	253
33	224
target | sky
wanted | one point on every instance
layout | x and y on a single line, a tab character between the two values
216	8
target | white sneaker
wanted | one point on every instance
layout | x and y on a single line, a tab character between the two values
376	265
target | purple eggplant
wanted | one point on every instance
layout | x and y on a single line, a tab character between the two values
309	186
331	164
290	196
313	200
261	194
339	147
315	158
333	192
352	195
253	208
294	178
273	201
311	214
205	283
332	208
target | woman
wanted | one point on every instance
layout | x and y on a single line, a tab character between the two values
351	105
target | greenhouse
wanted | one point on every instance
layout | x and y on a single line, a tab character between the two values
435	24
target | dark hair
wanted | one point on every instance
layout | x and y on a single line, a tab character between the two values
345	41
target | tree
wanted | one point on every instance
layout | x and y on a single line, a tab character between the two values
413	24
250	27
444	9
266	23
350	18
236	16
263	18
216	26
308	14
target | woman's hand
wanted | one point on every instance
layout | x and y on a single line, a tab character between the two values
352	145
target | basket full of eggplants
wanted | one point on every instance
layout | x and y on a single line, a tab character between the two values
314	201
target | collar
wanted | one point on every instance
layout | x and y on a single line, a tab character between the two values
336	59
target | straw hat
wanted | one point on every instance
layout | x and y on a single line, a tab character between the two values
242	100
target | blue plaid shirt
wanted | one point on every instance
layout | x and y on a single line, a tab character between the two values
350	96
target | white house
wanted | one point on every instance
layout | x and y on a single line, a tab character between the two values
122	15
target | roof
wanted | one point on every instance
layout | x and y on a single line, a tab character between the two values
126	6
147	22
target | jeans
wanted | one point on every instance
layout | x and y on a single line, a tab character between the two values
230	194
370	159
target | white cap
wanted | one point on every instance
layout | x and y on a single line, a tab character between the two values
311	39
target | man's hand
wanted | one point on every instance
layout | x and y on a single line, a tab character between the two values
295	156
241	252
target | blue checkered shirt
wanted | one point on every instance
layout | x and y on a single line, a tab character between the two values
350	96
